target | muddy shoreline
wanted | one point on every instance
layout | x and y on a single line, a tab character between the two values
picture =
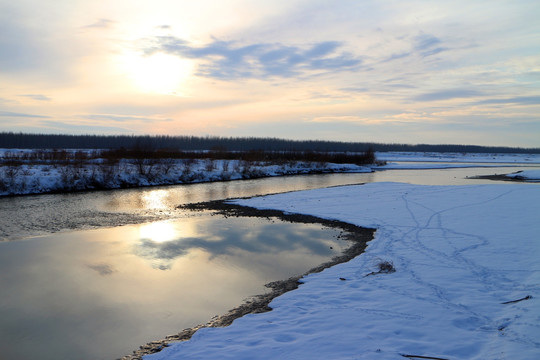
503	177
358	237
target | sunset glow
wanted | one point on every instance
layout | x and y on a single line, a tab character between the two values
378	71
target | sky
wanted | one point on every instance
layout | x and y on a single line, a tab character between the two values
452	72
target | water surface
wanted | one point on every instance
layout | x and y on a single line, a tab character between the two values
99	294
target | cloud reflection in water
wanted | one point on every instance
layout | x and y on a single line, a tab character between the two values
162	243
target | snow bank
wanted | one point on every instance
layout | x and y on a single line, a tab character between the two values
528	175
460	253
46	178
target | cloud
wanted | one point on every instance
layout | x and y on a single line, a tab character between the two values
100	24
227	60
23	115
447	95
83	128
427	45
396	56
4	101
37	97
522	100
120	118
340	119
355	89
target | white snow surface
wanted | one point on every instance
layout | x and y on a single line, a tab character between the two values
530	175
459	252
458	157
433	160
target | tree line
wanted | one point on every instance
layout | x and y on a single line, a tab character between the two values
11	140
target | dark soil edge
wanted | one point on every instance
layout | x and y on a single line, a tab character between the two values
258	304
502	178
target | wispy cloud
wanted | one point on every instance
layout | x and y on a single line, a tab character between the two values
447	95
427	45
22	115
100	24
38	97
522	100
83	128
228	60
397	56
120	118
355	89
342	118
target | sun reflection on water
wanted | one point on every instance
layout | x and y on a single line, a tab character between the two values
164	231
164	242
158	232
155	199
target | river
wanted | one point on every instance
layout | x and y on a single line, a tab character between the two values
93	275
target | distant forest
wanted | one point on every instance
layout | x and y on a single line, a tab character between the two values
10	140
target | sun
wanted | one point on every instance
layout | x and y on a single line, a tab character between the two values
158	73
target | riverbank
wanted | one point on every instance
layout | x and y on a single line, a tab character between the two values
465	285
28	179
358	236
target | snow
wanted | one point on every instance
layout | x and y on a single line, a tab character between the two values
47	178
458	157
432	160
459	252
528	175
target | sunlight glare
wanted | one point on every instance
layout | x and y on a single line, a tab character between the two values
158	232
158	73
155	199
163	231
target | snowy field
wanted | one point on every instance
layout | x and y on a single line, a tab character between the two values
458	157
423	160
466	283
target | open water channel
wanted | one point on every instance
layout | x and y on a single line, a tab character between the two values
94	275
